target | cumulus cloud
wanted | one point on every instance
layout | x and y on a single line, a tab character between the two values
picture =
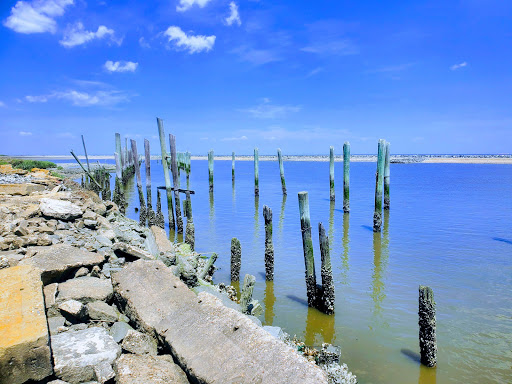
241	138
458	66
121	66
234	17
194	44
267	110
187	4
24	133
36	16
84	99
77	35
143	43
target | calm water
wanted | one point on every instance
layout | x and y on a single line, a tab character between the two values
449	227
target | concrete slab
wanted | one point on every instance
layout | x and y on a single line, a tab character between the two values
214	343
24	351
133	369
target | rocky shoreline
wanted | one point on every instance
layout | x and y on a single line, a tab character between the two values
102	299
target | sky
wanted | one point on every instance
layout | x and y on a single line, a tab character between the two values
428	76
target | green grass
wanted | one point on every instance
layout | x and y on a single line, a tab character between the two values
27	165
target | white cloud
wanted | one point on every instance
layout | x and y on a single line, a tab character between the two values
241	138
234	17
266	110
121	66
457	66
65	135
187	4
84	99
2	105
36	16
257	56
24	133
193	44
77	35
342	47
143	43
315	71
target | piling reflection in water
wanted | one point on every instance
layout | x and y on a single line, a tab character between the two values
380	262
427	375
345	265
331	224
236	285
269	301
318	323
211	236
256	223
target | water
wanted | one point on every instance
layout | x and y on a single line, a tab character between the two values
449	227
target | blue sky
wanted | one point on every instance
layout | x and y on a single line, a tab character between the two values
428	76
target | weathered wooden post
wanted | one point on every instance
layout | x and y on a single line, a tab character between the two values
379	179
307	245
256	173
188	161
165	163
236	259
176	183
233	167
86	157
281	170
142	218
150	212
119	151
331	173
208	266
269	246
427	323
159	220
327	304
246	297
190	228
210	169
386	176
118	190
346	177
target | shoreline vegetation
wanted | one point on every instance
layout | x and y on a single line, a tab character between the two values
397	159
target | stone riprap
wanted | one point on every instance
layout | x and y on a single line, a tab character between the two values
60	209
219	344
133	369
24	350
85	289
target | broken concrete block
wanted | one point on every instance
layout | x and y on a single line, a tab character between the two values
139	343
85	289
57	261
87	355
59	209
133	369
24	350
73	310
119	330
54	323
99	310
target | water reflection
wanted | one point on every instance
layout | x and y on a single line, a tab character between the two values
346	248
318	323
269	301
211	234
380	262
331	224
427	375
281	217
236	285
256	224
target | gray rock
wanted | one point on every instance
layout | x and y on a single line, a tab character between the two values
73	310
99	310
139	343
92	224
82	272
255	320
50	293
133	369
85	289
54	323
56	261
131	251
119	330
277	332
104	241
58	382
84	355
109	234
78	327
59	209
89	215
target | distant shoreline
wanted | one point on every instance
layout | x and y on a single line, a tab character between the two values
403	159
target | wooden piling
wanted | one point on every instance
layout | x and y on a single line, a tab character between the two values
236	259
190	228
119	151
281	170
147	160
427	325
331	173
118	189
379	180
159	220
233	167
246	296
86	157
176	183
307	245
256	173
346	177
210	169
209	264
142	218
327	294
269	246
386	176
165	164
